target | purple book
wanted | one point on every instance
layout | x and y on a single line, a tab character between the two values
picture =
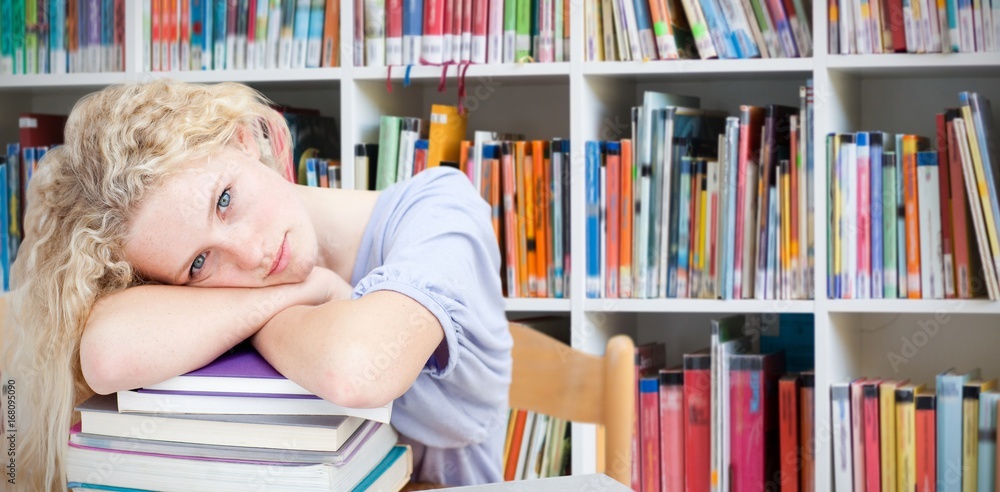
239	370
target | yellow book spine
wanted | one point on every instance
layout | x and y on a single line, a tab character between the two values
522	228
887	436
970	444
528	186
977	164
786	229
835	165
511	417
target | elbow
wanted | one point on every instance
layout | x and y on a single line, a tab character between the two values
97	369
352	386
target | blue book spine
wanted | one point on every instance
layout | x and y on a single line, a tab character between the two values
311	174
108	35
4	230
593	163
57	37
219	34
413	30
300	33
721	36
900	221
28	166
683	226
394	454
196	9
875	153
314	46
949	431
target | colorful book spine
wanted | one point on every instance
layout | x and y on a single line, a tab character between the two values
843	463
672	440
593	163
864	224
964	255
987	439
697	418
929	206
877	216
788	421
627	182
903	451
873	466
926	441
612	247
649	439
947	232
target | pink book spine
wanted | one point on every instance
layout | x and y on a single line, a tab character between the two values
873	466
447	30
432	44
480	17
649	439
864	273
857	433
614	217
672	431
394	32
467	13
456	30
741	466
510	218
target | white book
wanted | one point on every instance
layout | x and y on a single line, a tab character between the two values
848	42
407	146
977	21
531	461
840	413
522	456
273	36
928	205
495	33
863	28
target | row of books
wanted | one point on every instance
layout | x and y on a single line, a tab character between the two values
61	36
913	26
537	446
671	29
907	221
902	435
240	34
233	422
719	420
436	32
703	205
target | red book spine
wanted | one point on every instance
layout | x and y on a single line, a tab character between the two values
614	216
672	431
788	409
154	27
742	476
625	256
698	422
807	431
864	274
649	409
858	433
510	218
447	30
896	26
432	44
944	186
926	441
873	465
184	36
480	18
394	32
959	215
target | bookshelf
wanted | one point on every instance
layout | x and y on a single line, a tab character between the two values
590	100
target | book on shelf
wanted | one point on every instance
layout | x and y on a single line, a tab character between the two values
667	30
721	208
99	416
945	244
897	26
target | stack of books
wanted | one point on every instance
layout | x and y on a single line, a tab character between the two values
231	424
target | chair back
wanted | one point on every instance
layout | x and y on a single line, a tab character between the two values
555	379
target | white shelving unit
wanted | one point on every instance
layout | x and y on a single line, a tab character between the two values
585	101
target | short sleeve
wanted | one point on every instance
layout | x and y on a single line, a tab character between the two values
434	242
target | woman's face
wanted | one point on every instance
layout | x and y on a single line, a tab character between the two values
224	221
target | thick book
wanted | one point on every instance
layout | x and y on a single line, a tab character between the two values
142	470
949	427
754	433
240	370
903	448
788	421
99	416
926	441
672	430
697	418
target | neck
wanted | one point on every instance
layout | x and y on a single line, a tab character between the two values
339	218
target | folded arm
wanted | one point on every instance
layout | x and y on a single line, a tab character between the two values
150	333
358	353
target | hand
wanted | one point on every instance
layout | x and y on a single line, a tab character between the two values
321	286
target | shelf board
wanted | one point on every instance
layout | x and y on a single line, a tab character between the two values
699	69
538	305
927	64
540	72
697	306
912	306
272	77
60	81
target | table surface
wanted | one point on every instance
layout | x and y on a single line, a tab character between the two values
575	483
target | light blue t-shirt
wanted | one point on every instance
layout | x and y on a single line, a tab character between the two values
431	238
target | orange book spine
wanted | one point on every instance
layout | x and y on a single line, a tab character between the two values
529	215
463	156
515	446
495	193
788	390
625	268
548	263
926	442
912	218
614	215
541	202
510	220
807	432
522	235
73	37
331	34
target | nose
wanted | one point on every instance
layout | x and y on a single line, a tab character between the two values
244	247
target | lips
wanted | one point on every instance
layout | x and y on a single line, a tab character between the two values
280	258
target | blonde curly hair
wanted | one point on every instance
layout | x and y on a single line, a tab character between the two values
120	143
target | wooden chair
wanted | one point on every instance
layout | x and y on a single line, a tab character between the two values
553	378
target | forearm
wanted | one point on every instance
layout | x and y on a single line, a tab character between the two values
356	353
150	333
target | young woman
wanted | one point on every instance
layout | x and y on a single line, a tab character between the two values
164	231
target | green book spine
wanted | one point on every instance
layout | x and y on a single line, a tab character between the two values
523	27
31	36
18	36
536	6
889	225
388	151
6	41
509	30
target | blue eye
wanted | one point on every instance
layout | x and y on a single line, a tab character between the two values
197	264
224	199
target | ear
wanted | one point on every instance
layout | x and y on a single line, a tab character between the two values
246	141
